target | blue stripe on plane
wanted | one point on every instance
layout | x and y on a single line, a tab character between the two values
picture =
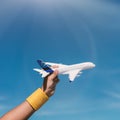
44	66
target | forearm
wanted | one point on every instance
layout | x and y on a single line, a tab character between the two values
21	112
27	108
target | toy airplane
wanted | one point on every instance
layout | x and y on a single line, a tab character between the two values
72	70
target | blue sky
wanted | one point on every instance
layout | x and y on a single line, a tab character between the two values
68	32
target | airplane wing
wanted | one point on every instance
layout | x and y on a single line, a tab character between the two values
73	74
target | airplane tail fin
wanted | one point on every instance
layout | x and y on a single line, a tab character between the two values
41	63
45	66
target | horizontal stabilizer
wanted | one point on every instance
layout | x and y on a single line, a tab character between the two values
44	73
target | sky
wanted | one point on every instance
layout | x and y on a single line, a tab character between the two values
67	32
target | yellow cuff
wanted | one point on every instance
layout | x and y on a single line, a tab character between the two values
37	99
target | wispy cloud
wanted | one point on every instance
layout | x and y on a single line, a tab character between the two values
110	105
97	12
115	105
3	107
110	101
72	106
107	71
2	104
2	98
112	94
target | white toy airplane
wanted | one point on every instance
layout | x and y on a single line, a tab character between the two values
72	70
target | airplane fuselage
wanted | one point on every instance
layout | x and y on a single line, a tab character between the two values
72	70
81	66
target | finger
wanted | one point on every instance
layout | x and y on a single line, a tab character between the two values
52	93
56	80
53	75
44	84
53	85
51	88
